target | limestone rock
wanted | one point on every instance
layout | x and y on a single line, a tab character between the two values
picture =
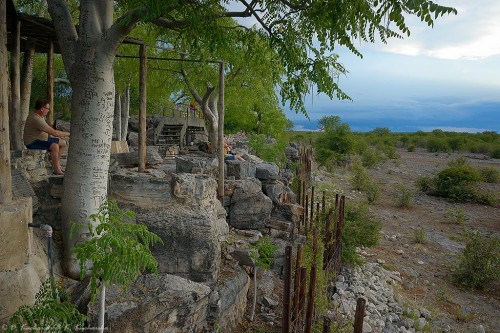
249	208
166	303
266	171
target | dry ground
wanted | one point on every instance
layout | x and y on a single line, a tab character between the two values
426	267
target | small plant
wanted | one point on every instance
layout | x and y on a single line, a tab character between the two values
360	177
372	192
262	253
424	184
403	196
457	182
420	236
490	175
52	312
457	216
361	228
119	251
479	265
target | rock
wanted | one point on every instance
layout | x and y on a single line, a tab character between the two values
292	153
240	169
249	208
269	302
243	257
267	171
164	303
233	300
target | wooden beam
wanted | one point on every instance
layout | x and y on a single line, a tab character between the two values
142	108
16	142
5	172
220	191
50	81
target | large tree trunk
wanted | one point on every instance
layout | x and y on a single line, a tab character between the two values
86	177
16	140
88	55
5	173
26	79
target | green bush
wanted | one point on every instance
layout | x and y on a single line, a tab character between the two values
372	192
361	228
263	252
436	145
360	177
403	196
420	236
271	150
479	265
371	157
490	175
495	153
424	184
411	147
457	182
52	312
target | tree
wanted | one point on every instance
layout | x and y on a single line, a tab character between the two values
89	49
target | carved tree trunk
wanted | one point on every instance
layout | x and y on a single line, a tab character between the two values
26	79
16	140
5	173
88	56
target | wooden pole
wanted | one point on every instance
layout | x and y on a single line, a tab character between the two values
312	204
306	215
296	284
16	141
360	314
302	297
220	188
142	108
323	203
286	290
326	324
5	171
312	284
50	82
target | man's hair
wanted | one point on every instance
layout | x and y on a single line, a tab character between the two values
40	103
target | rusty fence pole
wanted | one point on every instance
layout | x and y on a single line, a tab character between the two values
306	229
286	290
312	204
327	322
296	285
328	236
323	203
360	314
312	284
302	298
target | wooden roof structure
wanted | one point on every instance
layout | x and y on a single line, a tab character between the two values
37	30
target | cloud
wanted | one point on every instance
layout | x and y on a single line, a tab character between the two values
472	34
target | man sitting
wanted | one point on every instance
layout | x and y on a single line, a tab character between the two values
228	153
36	135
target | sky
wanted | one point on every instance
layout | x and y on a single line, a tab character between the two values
446	77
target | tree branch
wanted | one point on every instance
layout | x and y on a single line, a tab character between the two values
65	30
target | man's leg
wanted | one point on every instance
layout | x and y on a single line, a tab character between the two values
62	146
55	157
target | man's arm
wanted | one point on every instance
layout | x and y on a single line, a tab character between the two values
51	131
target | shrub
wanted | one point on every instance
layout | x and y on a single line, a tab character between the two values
403	196
424	184
361	228
419	236
372	192
479	265
360	177
490	175
268	150
263	252
436	145
458	216
52	311
411	147
457	182
495	153
371	157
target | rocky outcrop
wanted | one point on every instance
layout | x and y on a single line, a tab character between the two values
165	303
248	206
187	216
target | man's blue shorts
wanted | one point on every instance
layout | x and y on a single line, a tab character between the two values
45	145
230	157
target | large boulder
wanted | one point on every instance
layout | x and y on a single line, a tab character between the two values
267	171
240	169
249	207
185	213
232	301
165	303
278	192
